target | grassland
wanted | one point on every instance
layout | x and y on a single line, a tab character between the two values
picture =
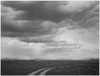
61	67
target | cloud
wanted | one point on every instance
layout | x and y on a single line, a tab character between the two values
72	55
66	44
11	26
13	48
32	11
50	30
73	44
75	6
36	39
85	37
53	11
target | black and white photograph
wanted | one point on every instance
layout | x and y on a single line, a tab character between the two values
50	38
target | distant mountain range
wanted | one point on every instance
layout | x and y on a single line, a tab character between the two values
40	59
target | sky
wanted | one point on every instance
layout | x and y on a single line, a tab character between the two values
52	30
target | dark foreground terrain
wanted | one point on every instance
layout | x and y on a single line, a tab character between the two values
60	67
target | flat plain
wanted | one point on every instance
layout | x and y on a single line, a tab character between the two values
60	67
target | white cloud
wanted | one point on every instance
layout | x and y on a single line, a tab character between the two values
13	48
86	38
69	54
65	44
73	44
67	39
75	6
9	14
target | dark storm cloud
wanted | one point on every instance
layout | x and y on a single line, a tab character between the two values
29	22
37	10
13	26
89	18
27	29
40	39
43	10
50	30
6	26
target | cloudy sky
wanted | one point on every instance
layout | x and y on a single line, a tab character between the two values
50	29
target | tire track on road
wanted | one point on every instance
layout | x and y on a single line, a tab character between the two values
37	71
42	71
45	71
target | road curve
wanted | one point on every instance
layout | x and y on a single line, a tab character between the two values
42	71
45	71
37	71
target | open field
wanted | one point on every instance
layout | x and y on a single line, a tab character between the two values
60	67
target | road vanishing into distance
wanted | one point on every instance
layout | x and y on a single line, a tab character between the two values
42	71
32	68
